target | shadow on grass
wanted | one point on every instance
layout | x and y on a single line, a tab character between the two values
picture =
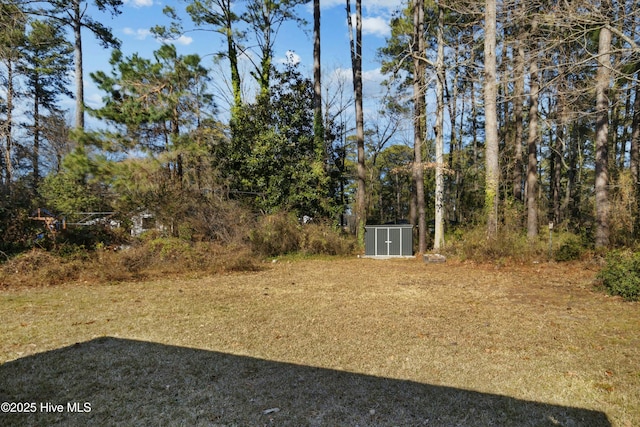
126	382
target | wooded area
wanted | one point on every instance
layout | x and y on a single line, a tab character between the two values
536	122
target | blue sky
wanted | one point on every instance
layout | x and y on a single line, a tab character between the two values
138	16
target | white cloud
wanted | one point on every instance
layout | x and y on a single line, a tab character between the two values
93	100
140	33
183	40
139	3
372	76
376	26
290	57
371	80
143	33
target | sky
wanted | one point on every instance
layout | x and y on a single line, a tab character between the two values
132	27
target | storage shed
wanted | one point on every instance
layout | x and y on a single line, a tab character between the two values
395	240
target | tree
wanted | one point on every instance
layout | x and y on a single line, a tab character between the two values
419	118
337	103
318	128
492	173
72	14
532	142
392	184
438	241
152	103
47	62
160	109
219	15
265	17
356	66
273	160
12	39
602	130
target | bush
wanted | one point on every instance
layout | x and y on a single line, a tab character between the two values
322	239
277	234
282	233
39	268
472	244
621	274
570	249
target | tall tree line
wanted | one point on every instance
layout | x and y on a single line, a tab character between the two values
553	137
538	104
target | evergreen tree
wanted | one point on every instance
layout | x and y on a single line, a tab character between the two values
73	15
274	157
13	22
47	62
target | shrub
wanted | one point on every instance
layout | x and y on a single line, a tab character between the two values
282	233
473	244
39	268
323	239
621	274
570	249
277	234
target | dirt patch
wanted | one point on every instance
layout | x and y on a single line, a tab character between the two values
330	342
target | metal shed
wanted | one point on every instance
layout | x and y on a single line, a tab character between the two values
395	240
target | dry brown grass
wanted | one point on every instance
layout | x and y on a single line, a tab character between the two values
158	258
329	342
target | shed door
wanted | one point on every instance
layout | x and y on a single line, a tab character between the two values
388	241
382	241
394	241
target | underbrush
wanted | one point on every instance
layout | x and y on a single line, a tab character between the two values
474	245
621	274
155	255
281	234
154	258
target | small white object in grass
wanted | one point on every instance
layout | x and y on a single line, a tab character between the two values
271	411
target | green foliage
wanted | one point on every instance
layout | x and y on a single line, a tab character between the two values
151	101
76	188
621	274
48	61
570	249
77	16
273	154
17	231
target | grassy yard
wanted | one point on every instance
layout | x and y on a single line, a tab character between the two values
326	342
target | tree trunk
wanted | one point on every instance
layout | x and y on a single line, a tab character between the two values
602	131
635	154
232	53
518	116
439	196
318	128
532	144
9	126
35	155
556	156
356	61
77	51
418	121
491	121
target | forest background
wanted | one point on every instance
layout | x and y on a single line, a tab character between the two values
500	126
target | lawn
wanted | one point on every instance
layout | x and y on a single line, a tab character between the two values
326	342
